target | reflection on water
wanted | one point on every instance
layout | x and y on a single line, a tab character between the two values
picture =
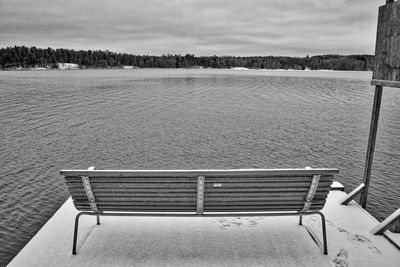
140	119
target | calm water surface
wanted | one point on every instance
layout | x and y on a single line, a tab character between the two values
141	119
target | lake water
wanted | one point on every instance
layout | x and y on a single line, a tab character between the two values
167	119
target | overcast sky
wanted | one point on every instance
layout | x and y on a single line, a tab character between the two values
200	27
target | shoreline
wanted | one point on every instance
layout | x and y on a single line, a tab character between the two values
199	68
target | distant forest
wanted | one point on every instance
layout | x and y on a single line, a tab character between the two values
32	57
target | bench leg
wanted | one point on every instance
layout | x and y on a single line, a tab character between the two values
77	225
300	219
324	232
76	232
324	246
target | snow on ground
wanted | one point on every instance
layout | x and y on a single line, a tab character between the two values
204	241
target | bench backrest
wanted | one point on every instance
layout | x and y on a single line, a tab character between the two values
239	190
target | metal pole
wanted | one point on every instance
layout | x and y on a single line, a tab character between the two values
371	143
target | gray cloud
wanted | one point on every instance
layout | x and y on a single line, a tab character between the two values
201	27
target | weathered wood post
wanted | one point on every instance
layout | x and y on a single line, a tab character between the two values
371	144
386	73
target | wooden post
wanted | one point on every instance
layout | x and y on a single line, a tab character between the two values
371	143
385	224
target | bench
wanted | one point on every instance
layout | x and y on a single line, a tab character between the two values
211	193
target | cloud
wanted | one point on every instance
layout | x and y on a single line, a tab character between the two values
200	27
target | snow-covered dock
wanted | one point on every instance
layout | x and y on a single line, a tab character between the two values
204	241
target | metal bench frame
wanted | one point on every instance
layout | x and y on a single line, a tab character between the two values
323	247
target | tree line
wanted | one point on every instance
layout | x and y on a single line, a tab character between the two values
31	57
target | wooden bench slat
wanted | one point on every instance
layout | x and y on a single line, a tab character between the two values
298	197
261	206
178	207
193	209
207	185
193	190
256	193
193	179
268	189
99	197
257	198
101	200
181	173
146	195
150	207
261	201
143	199
207	204
144	209
208	207
259	209
167	200
135	179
